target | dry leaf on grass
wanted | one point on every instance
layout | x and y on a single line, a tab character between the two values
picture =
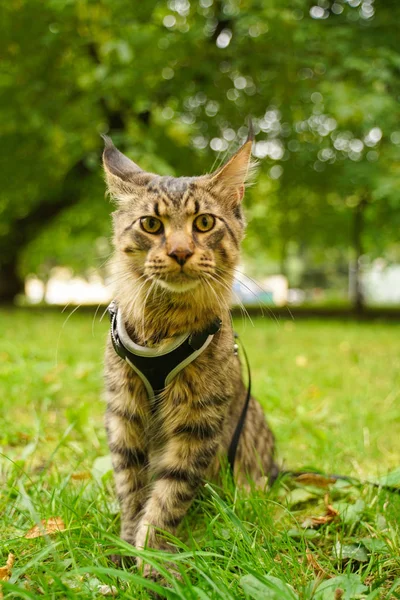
316	567
81	475
315	479
46	527
108	590
330	515
5	572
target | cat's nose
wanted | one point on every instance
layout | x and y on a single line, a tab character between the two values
180	255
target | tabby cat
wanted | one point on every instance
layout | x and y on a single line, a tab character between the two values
177	244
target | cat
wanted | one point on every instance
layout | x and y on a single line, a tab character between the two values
177	244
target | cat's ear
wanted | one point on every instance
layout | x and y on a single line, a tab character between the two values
230	179
119	169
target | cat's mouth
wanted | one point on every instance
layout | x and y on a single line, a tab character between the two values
179	283
174	286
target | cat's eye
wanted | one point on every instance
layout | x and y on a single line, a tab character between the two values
204	223
151	225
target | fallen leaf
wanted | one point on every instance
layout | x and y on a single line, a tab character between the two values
316	567
5	572
330	515
81	475
350	551
46	527
108	590
315	479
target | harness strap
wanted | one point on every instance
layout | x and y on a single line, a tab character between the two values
157	369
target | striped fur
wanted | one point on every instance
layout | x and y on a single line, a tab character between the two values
168	283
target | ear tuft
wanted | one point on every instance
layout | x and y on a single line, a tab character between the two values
250	136
231	178
117	164
107	141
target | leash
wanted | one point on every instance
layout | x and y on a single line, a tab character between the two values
233	446
157	369
336	477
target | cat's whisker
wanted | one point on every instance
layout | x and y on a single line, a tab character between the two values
243	309
223	284
153	282
103	314
136	296
130	275
94	318
107	260
269	309
114	277
220	301
253	293
65	307
61	330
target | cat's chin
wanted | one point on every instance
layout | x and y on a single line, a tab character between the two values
178	287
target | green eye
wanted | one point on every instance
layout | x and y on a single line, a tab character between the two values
151	225
204	223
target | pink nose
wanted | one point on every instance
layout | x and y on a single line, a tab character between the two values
180	255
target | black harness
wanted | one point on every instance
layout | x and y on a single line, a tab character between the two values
158	368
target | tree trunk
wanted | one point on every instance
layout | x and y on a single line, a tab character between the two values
11	283
358	230
23	230
282	258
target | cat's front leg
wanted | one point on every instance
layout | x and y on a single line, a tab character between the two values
193	439
129	454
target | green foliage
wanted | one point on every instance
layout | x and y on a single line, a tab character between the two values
174	83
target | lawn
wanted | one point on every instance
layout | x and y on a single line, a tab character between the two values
331	392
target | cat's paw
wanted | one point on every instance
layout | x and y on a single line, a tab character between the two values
124	560
150	572
145	537
121	560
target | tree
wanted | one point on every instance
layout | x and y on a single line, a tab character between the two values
174	83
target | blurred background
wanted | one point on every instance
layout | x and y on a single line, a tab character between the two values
173	83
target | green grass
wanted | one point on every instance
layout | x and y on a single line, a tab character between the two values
331	391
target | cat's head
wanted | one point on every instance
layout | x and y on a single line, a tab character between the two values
179	233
